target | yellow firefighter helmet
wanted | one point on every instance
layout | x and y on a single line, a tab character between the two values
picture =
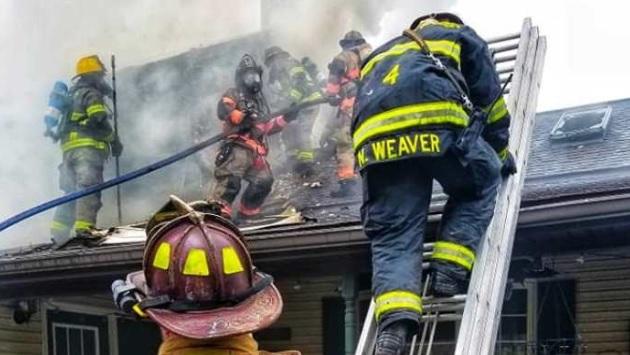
89	64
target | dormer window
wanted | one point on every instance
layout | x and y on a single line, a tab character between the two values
585	125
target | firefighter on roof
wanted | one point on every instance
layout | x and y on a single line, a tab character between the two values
342	89
408	116
244	112
199	285
87	140
291	84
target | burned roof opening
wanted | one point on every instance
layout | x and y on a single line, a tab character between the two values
580	126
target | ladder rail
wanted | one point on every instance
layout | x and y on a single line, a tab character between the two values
482	312
365	345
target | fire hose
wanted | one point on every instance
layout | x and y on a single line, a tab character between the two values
139	172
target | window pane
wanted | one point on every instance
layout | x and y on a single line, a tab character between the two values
517	304
512	349
556	302
61	341
75	341
89	342
442	349
513	328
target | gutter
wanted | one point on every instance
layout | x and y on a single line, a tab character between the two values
297	241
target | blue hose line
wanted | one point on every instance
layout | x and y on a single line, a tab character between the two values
107	184
137	173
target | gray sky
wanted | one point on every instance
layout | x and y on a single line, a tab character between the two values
587	43
41	40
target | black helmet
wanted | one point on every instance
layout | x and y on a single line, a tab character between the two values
272	52
351	39
248	74
440	16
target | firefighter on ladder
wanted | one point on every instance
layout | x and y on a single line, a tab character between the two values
291	84
408	117
244	110
87	140
199	285
342	89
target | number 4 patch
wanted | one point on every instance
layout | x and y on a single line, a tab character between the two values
392	77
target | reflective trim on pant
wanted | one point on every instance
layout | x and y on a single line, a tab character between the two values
454	253
75	140
248	211
397	300
57	226
80	225
305	155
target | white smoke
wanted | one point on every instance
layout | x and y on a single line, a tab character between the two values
42	40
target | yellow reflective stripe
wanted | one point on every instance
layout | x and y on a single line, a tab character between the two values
503	153
498	111
82	225
455	253
314	96
295	94
59	226
82	143
296	70
397	300
433	22
305	155
231	262
162	257
136	308
196	263
410	116
441	47
77	116
96	108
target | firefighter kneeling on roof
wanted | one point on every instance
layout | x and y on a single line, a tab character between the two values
199	285
411	110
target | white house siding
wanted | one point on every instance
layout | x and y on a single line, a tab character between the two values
602	298
303	312
19	339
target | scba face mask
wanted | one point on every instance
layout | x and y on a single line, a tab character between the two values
252	81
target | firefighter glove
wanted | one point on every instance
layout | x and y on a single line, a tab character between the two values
509	166
117	147
292	114
334	100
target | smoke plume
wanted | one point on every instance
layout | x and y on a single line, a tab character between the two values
169	81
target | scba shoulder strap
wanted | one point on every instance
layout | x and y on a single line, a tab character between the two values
424	48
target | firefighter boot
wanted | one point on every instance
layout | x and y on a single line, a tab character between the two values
346	188
392	340
449	281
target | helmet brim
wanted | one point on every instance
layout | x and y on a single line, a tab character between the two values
257	312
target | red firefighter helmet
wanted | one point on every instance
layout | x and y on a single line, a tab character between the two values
198	280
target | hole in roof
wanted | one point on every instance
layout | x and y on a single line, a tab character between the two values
580	126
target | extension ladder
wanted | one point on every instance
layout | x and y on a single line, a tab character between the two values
479	311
